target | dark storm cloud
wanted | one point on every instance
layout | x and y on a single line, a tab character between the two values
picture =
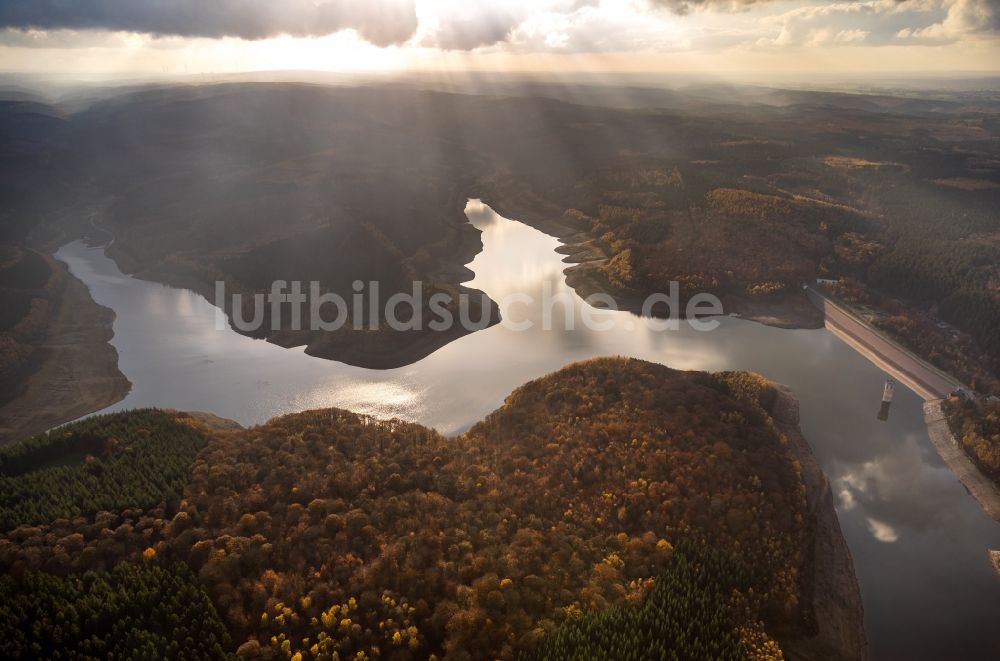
381	22
988	12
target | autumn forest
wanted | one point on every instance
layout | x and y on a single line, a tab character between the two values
613	495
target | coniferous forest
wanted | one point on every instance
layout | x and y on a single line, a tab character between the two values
688	614
134	612
107	462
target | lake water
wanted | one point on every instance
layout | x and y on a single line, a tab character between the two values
918	539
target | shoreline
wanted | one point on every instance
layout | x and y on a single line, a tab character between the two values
837	602
391	350
78	374
584	256
984	490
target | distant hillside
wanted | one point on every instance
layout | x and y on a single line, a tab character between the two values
740	191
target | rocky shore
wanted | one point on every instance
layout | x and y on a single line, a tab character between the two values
836	595
984	490
78	373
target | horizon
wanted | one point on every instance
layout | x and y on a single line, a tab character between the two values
56	87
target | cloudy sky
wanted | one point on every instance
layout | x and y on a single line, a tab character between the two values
738	36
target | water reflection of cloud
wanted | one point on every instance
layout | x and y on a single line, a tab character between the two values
883	532
185	302
899	489
846	498
498	275
480	215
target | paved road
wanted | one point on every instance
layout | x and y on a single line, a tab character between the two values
917	374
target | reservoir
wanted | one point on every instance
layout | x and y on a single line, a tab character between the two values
918	539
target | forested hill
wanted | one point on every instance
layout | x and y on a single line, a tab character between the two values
665	504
